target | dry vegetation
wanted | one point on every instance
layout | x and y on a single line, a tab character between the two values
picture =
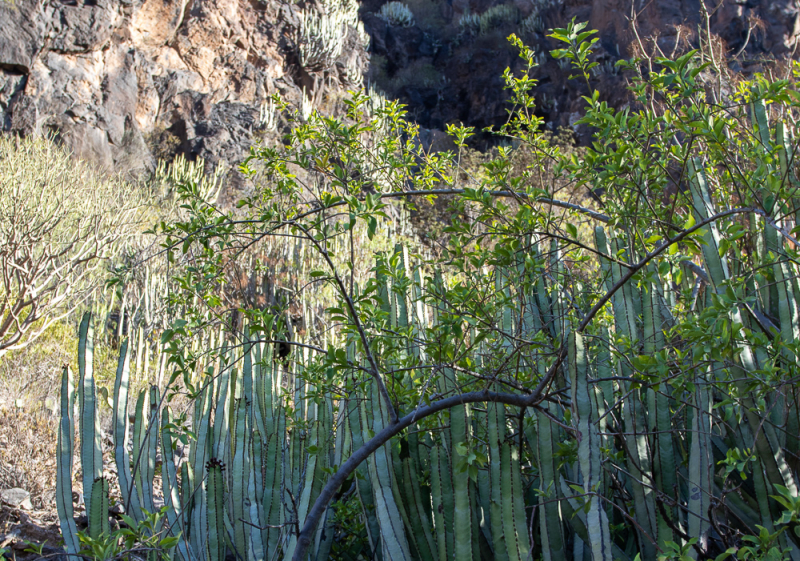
29	394
61	223
28	423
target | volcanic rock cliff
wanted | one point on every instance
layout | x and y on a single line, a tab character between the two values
125	82
121	82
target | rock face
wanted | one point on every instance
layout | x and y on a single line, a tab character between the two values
447	66
122	82
125	82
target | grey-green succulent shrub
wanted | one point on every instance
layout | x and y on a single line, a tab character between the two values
60	225
615	382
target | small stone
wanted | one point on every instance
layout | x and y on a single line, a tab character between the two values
16	498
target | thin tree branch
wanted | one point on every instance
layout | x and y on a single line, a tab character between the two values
344	472
321	504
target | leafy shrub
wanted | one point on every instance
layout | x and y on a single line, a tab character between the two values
612	377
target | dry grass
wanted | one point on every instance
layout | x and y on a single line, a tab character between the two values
30	382
29	390
27	453
28	461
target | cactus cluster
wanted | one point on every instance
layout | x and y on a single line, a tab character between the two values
322	33
262	453
531	24
396	13
493	18
643	410
247	477
500	16
481	482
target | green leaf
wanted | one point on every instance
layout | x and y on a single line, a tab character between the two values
571	230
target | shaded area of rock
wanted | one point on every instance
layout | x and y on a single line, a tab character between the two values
446	72
23	531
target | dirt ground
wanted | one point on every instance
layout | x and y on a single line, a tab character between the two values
27	461
29	396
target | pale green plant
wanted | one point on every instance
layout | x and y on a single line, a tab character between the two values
321	35
267	116
62	224
497	16
469	23
532	23
396	13
306	106
490	20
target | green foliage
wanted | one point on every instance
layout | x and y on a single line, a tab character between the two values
580	46
130	540
526	391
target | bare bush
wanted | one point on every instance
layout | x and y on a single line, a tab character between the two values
61	223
